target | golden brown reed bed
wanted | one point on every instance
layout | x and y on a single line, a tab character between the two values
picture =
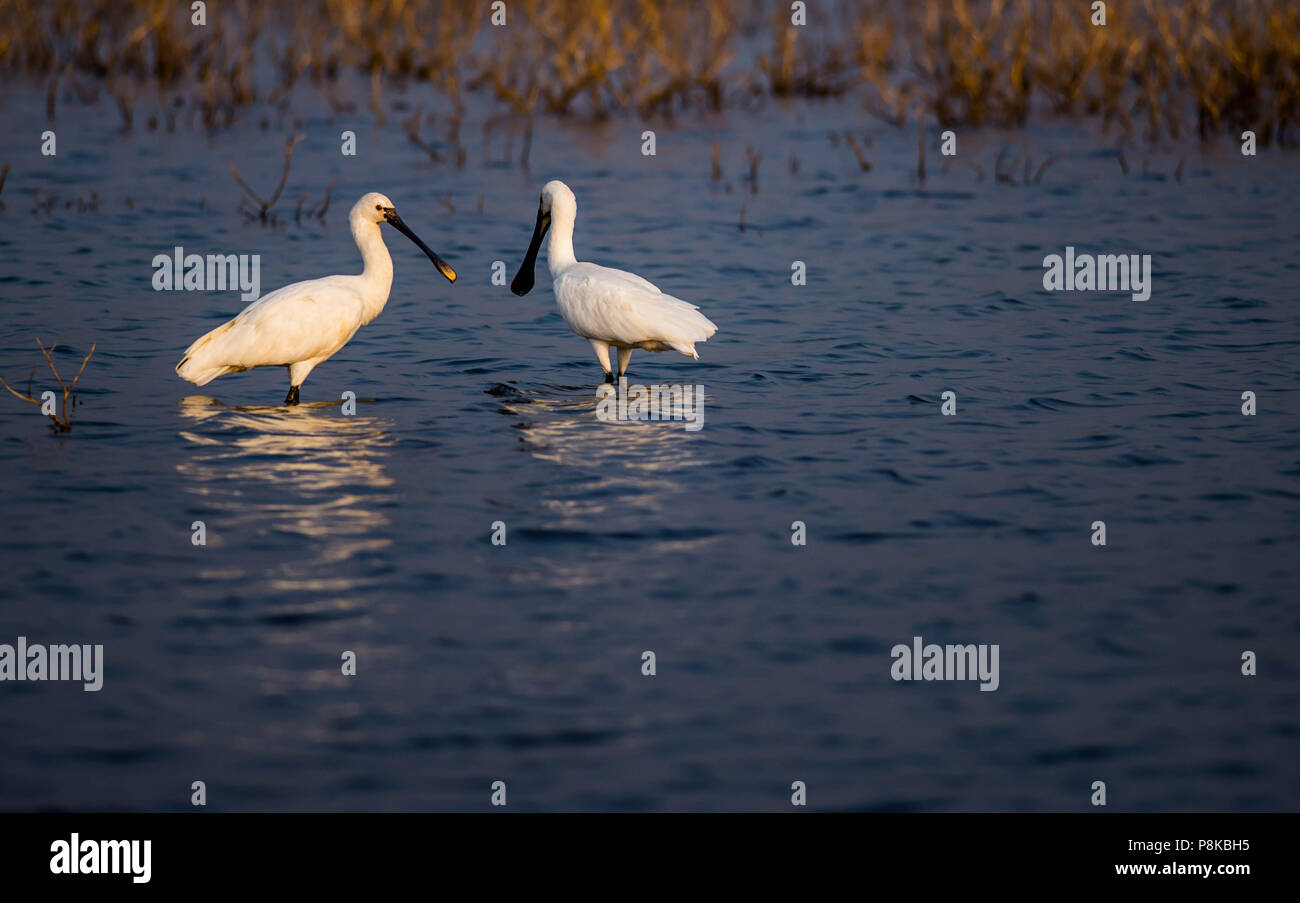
1158	68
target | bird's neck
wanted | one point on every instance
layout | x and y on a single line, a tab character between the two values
559	254
377	275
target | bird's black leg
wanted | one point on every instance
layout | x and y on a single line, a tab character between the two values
292	397
609	376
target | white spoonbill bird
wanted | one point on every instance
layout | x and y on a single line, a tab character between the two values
303	324
607	307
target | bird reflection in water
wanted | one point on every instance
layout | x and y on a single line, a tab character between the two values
611	478
291	473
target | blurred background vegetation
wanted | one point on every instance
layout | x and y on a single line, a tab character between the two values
1158	68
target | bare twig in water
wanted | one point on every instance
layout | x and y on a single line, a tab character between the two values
1038	176
264	207
754	159
717	164
998	174
121	93
412	126
863	163
60	418
319	212
1178	173
1123	161
376	102
14	392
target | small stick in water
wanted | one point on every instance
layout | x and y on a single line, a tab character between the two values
863	163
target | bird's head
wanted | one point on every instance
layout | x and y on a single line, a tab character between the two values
377	208
557	202
558	197
374	207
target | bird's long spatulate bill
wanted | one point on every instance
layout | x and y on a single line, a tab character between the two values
523	282
442	265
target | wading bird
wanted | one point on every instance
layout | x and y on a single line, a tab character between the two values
607	307
303	324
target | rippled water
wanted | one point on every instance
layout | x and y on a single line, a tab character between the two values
522	663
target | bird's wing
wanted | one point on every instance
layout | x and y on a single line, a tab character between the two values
299	322
600	303
633	278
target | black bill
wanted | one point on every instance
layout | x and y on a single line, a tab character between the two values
523	282
396	222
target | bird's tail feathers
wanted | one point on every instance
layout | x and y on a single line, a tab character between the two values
187	370
196	366
689	325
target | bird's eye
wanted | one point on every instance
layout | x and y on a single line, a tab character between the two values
379	206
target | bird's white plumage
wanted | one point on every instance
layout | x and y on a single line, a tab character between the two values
305	323
604	304
614	308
